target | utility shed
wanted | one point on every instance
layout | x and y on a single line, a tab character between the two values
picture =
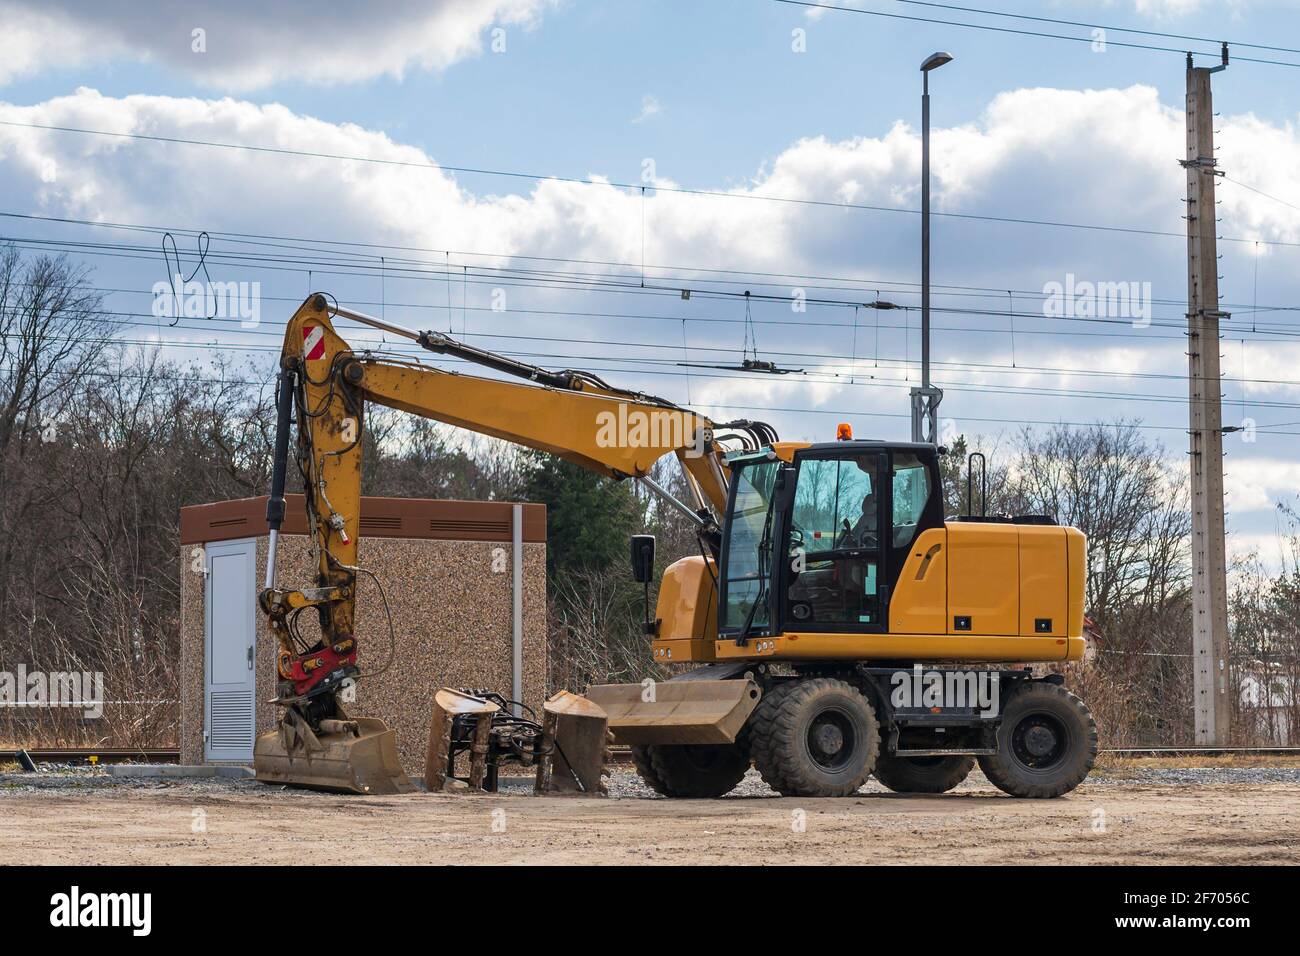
448	569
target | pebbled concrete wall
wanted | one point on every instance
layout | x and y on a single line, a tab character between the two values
451	617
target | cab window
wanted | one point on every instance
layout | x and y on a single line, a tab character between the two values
835	503
911	492
835	544
748	547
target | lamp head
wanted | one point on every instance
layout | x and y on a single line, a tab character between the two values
934	61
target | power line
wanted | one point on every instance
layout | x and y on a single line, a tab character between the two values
874	381
1095	26
286	151
559	280
857	413
748	276
1028	33
1260	192
967	386
823	368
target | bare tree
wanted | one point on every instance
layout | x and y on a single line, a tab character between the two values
52	333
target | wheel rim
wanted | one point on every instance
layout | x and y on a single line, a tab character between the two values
832	740
1040	741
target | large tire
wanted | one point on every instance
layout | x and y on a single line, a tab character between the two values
1047	743
922	774
814	738
695	771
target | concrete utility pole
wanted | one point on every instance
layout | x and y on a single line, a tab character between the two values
1213	702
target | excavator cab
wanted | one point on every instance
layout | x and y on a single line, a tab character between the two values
817	542
841	550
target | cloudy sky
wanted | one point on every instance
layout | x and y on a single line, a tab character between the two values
545	177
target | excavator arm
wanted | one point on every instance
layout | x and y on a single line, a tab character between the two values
323	389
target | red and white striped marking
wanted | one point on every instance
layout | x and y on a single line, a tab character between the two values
313	342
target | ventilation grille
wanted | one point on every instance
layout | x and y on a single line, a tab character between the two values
469	526
228	522
231	720
381	523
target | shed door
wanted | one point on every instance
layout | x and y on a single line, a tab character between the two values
230	639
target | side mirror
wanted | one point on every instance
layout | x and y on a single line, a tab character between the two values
643	558
783	491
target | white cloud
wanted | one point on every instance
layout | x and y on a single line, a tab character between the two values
1104	156
1167	8
650	106
249	44
1101	156
1256	483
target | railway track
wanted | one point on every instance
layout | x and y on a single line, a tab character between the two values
102	754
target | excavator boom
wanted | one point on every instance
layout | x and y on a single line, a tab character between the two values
323	388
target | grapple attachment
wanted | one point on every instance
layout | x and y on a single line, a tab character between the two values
456	716
677	711
569	748
350	755
575	746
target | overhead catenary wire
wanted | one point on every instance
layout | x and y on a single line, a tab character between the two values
544	279
879	382
816	369
591	283
956	311
747	277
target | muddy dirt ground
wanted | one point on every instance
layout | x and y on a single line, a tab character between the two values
1134	813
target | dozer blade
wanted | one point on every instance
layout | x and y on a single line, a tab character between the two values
357	755
677	711
575	745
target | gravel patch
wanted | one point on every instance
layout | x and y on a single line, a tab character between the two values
624	784
1194	776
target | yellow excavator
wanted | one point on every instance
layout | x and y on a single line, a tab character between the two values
836	625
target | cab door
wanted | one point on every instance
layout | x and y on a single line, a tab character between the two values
836	576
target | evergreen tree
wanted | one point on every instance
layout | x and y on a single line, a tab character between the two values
589	518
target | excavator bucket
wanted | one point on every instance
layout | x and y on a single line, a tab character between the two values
677	711
354	755
575	746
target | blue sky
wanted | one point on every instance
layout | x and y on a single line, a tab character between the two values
560	100
1025	127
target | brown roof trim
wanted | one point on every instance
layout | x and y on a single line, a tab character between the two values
421	518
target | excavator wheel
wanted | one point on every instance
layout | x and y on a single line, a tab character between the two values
691	771
815	738
1047	743
922	774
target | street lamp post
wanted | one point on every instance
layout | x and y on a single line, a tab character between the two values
926	399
